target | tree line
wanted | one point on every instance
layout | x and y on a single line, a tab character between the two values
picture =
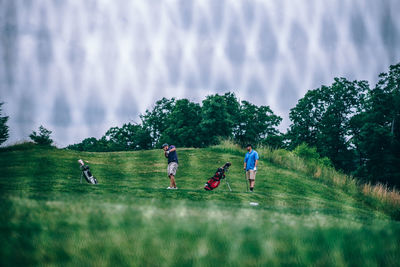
188	124
354	126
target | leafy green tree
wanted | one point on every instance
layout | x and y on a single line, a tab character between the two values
377	131
155	120
88	144
183	125
114	139
219	115
233	108
322	119
275	141
128	137
343	100
42	137
255	123
92	144
305	118
3	127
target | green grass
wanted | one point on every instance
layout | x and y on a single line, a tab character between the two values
129	219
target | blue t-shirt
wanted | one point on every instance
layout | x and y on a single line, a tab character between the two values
250	159
172	156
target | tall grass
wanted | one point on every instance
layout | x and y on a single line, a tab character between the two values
381	195
382	192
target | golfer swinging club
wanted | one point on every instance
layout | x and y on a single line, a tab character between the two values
170	153
250	165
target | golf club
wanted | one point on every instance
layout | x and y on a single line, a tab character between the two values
247	182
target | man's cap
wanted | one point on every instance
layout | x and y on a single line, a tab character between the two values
249	145
164	145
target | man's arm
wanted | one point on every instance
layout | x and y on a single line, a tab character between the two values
256	163
172	149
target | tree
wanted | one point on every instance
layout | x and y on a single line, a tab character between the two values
187	124
305	118
377	131
255	123
42	137
128	137
183	125
88	144
322	119
155	120
219	117
3	127
275	141
343	101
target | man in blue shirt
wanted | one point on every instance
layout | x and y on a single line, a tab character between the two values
250	165
172	156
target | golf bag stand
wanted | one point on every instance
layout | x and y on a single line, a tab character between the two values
227	183
87	173
214	181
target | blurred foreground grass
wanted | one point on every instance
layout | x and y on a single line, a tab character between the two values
48	218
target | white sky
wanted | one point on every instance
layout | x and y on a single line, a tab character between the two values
81	67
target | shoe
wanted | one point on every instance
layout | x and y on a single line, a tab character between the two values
174	188
170	187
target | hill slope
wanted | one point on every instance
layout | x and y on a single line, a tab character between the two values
129	218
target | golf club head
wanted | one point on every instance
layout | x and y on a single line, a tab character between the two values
227	165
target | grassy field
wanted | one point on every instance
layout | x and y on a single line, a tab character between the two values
129	219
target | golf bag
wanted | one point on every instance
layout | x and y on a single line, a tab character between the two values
87	173
218	176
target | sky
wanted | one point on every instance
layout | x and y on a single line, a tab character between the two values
80	67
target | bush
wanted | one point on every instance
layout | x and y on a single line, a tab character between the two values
42	138
326	162
306	152
310	154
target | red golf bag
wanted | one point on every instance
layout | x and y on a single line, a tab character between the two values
218	176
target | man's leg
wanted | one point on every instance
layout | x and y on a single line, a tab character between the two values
247	180
172	181
252	180
174	169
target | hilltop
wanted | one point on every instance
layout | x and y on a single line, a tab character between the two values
307	214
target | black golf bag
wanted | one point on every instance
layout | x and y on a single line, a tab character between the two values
214	181
87	173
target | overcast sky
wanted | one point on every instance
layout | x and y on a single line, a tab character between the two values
81	67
